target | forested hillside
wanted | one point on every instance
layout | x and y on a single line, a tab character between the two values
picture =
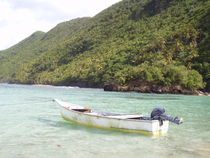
12	59
161	43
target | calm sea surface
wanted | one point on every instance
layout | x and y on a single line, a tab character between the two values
31	126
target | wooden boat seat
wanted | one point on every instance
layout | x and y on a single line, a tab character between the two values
114	115
127	116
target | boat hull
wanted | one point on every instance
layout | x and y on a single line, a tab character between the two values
150	127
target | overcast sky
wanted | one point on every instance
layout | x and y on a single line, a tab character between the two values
20	18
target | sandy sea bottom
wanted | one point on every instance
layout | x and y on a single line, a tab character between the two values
31	126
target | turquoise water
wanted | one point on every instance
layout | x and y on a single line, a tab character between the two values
31	126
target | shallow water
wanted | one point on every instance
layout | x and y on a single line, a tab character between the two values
31	126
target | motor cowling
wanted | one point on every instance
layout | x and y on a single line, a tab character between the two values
159	114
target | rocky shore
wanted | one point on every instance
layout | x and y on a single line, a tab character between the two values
136	86
144	87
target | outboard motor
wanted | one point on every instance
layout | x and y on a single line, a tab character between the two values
159	114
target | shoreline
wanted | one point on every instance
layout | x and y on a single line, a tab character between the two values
144	87
116	88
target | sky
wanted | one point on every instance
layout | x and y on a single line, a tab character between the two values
20	18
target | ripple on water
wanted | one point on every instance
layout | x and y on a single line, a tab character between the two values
31	125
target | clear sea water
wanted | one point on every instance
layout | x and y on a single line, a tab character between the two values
31	126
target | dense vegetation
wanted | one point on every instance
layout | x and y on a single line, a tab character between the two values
161	42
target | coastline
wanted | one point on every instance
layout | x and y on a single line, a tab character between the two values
143	87
110	86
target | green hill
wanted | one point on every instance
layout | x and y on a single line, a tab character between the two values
12	59
134	43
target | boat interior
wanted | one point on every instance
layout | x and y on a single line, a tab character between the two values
82	110
109	114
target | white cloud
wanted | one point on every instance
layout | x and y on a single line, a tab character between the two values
20	18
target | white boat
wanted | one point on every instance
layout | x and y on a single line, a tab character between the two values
134	123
